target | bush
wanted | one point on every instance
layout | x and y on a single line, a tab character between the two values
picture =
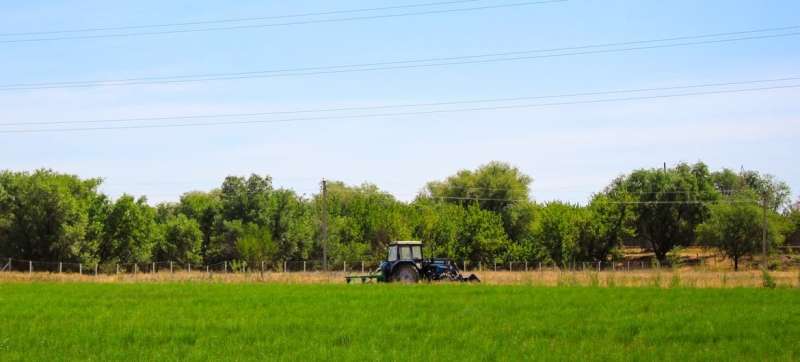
768	280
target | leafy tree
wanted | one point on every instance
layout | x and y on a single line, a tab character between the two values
289	219
735	227
203	207
792	231
777	193
667	204
130	231
362	221
255	244
181	240
437	225
245	199
495	186
604	226
556	233
46	215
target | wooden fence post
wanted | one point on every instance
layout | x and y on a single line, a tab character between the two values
117	268
95	269
362	267
59	267
304	266
80	268
344	266
285	268
526	265
135	268
170	266
225	270
30	266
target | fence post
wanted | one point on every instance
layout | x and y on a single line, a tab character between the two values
495	266
598	266
464	263
59	267
304	266
225	268
526	265
208	270
480	266
135	268
95	269
80	268
285	266
613	266
344	266
189	266
170	266
117	268
362	267
641	264
30	266
541	271
509	266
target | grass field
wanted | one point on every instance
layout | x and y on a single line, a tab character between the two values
240	321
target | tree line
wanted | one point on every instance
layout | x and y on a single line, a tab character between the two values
487	214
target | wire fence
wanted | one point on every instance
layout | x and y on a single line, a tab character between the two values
360	267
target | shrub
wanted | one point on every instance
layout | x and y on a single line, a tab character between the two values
768	280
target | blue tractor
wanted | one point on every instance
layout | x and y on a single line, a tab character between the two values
405	264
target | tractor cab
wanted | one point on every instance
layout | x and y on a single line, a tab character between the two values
405	250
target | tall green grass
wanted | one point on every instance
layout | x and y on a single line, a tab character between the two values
203	321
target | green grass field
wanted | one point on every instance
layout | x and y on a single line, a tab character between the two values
205	321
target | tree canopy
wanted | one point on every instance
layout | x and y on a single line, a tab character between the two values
487	214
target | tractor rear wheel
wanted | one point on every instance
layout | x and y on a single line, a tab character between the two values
405	274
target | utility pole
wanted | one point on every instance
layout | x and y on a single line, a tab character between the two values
324	225
764	231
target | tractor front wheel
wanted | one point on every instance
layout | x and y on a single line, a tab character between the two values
405	274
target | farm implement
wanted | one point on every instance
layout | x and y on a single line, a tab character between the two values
405	264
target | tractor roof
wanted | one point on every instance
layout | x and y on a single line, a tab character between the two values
406	242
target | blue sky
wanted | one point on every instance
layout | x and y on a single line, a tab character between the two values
571	151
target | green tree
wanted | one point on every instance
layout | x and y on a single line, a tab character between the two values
362	221
556	233
205	208
604	225
735	227
181	240
46	215
667	204
130	231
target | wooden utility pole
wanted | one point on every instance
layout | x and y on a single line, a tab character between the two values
324	225
764	231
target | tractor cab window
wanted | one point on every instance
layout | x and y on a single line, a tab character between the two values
405	252
416	252
413	252
392	253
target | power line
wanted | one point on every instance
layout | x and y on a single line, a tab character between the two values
675	202
378	115
236	20
303	22
407	105
411	63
